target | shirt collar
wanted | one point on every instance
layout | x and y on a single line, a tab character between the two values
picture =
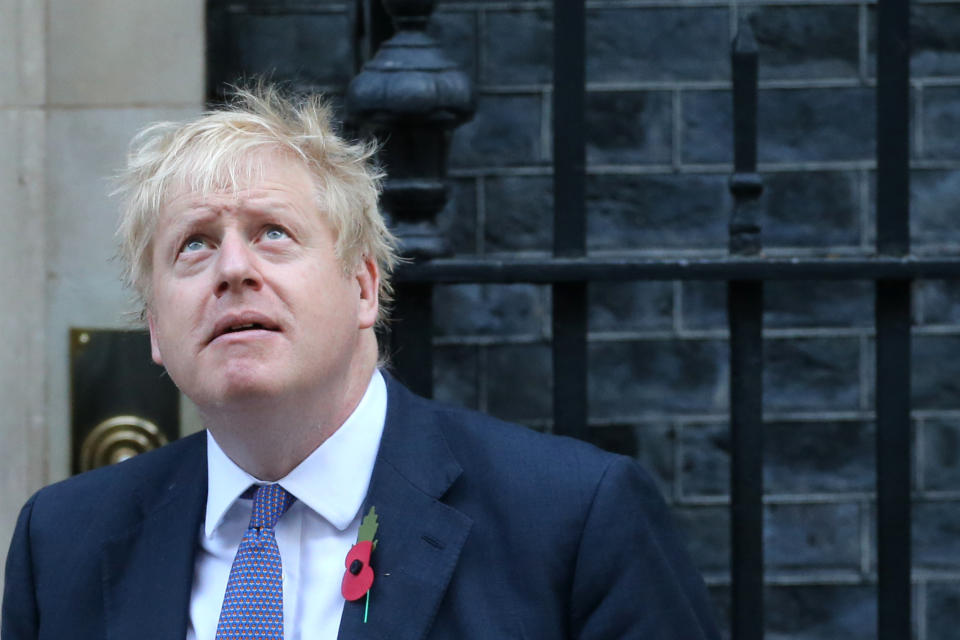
332	481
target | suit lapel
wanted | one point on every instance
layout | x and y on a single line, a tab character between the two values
419	537
148	569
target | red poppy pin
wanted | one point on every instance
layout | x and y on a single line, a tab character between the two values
358	578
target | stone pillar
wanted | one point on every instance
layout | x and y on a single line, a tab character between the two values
22	258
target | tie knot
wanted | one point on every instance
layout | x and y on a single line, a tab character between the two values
270	501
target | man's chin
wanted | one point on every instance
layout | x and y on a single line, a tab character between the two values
241	393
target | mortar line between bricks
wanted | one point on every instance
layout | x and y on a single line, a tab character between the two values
718	579
677	132
772	252
917	312
655	335
862	53
534	5
920	609
934	414
785	84
546	126
784	333
641	4
864	194
499	172
481	50
866	164
931	247
814	577
722	418
691	335
865	373
482	387
677	314
840	497
935	575
918	120
667	169
480	201
488	340
657	85
937	330
768	84
646	4
308	8
715	253
492	5
733	9
937	496
677	480
513	89
937	81
817	416
781	499
546	320
866	546
919	452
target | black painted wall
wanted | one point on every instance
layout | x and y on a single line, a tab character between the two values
659	154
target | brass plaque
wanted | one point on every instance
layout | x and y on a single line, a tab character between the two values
122	403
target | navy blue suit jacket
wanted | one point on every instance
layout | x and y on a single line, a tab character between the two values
487	530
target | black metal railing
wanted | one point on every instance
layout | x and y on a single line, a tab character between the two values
745	270
745	317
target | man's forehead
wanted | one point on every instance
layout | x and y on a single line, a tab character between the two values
285	190
199	177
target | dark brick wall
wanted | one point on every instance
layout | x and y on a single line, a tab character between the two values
659	155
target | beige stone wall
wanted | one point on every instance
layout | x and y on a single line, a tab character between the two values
77	79
23	463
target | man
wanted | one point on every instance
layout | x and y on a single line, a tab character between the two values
253	237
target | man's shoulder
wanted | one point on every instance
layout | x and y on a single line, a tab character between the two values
518	456
118	488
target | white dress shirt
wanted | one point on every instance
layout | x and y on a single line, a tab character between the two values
314	535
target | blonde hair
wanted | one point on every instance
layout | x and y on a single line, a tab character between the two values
225	147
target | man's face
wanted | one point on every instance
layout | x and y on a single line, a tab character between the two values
248	300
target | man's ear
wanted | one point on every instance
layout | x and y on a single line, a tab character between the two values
368	279
154	347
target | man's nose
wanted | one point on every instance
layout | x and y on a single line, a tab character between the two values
237	268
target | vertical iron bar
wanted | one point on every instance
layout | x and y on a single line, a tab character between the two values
892	308
893	459
569	141
745	315
412	337
569	222
893	126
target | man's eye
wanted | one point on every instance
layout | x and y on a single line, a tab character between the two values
275	233
194	244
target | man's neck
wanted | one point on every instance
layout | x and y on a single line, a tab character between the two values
268	437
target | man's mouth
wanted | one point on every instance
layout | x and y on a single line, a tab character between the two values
244	327
241	323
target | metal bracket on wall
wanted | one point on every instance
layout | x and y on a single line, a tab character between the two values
121	402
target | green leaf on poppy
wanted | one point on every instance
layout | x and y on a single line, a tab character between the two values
368	527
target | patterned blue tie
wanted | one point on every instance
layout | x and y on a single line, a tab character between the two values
253	604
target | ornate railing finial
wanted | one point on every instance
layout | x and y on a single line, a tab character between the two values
412	96
746	185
